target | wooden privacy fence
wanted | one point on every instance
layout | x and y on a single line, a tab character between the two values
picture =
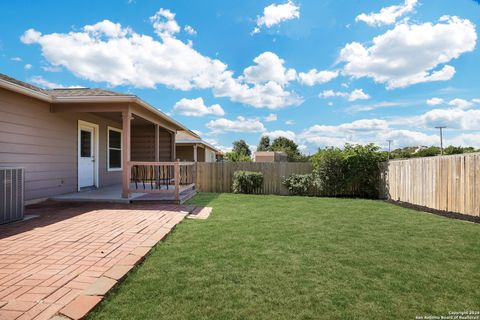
448	183
217	176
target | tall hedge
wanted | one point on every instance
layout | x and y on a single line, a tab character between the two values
247	181
352	171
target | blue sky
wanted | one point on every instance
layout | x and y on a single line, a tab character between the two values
319	72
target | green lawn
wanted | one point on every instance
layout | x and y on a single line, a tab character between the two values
272	257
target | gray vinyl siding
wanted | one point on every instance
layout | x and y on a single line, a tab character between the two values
45	144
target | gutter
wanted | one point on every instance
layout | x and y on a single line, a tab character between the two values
88	99
25	91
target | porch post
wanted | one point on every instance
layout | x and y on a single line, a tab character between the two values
194	153
157	143
126	126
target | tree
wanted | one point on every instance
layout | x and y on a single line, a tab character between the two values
458	150
241	147
428	152
264	144
289	147
237	157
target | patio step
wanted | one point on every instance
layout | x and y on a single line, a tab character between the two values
160	198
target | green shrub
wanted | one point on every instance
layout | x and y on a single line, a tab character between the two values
351	172
247	181
300	184
329	168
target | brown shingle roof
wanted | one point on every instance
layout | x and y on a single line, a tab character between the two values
65	92
21	83
80	92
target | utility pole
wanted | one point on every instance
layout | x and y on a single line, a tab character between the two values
441	138
389	147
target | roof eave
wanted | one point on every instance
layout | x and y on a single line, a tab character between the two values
25	91
125	99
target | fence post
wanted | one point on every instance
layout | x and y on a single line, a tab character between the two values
176	176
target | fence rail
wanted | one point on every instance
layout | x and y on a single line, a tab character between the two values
217	177
161	177
447	183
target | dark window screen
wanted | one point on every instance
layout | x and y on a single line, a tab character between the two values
85	144
115	139
115	159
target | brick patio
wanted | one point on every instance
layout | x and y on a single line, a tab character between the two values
65	260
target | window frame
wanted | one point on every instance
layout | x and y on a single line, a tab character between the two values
109	148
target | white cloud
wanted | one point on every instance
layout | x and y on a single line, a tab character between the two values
435	101
270	95
269	67
240	124
403	138
271	117
51	68
314	77
289	122
356	94
378	105
108	52
389	59
16	59
164	23
277	13
454	118
362	132
281	133
28	66
189	29
388	15
197	108
30	36
41	82
461	103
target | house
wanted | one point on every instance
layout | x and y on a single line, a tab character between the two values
191	147
83	139
270	156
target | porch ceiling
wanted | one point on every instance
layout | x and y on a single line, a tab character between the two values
117	117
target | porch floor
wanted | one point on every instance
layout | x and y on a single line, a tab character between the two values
114	194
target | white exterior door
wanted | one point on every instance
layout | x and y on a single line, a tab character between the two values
86	156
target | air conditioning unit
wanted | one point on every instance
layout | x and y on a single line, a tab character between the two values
11	194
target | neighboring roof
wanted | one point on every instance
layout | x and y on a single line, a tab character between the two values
69	95
266	153
198	142
187	135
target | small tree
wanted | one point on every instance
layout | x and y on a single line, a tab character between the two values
362	170
329	168
458	150
289	147
264	144
428	152
242	148
237	157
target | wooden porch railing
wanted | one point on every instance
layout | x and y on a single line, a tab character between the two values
159	177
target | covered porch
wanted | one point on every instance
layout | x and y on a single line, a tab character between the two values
139	149
113	194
